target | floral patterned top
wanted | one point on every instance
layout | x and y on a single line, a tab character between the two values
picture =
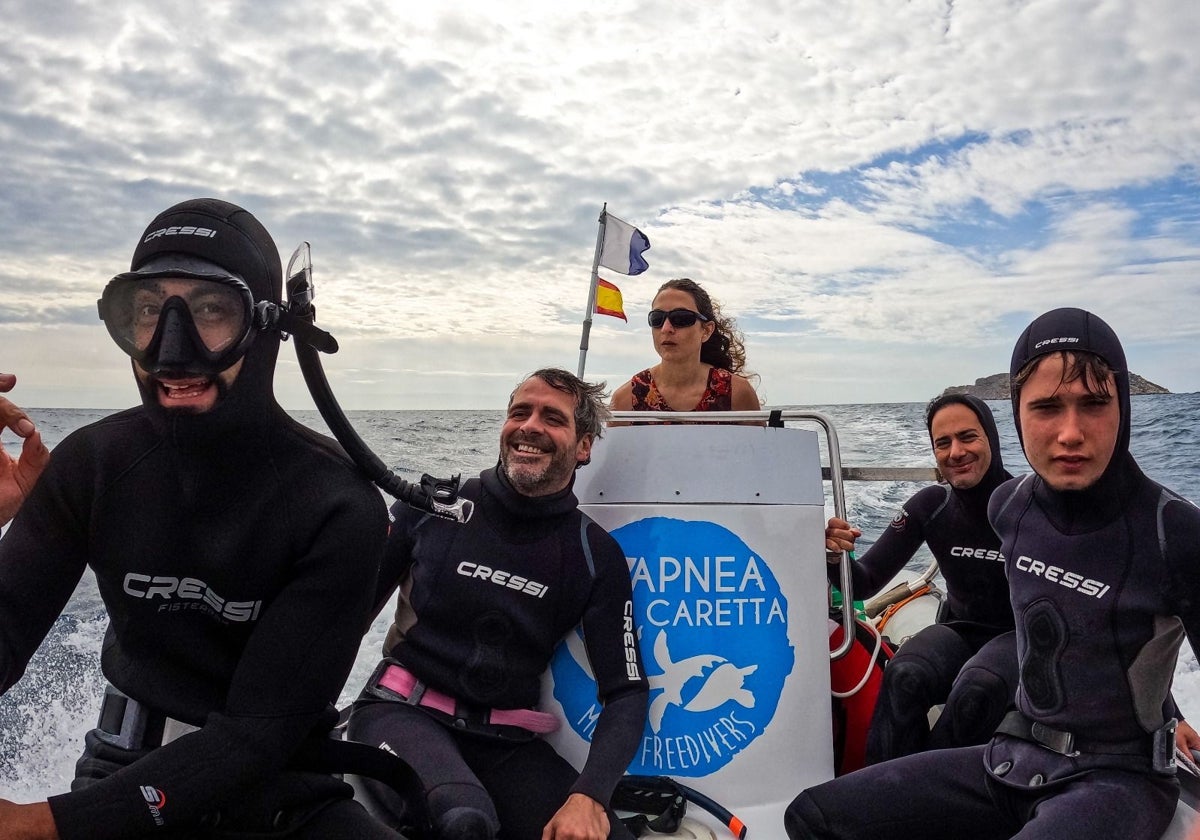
717	396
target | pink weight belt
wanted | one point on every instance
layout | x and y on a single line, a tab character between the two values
400	680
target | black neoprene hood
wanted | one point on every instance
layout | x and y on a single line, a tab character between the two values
220	233
228	236
987	422
1073	331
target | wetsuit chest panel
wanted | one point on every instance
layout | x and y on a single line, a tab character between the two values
187	585
969	557
157	557
1086	607
490	608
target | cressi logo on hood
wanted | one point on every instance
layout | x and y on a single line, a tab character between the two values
1065	339
220	233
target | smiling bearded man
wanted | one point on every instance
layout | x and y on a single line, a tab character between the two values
482	607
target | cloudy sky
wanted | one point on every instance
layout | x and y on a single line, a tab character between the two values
882	193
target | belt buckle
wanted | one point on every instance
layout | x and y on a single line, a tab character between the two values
1059	740
1162	749
123	714
375	686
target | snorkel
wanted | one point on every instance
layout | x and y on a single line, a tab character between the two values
438	496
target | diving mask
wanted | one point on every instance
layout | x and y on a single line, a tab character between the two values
180	314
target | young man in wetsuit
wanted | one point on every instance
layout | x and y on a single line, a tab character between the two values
1104	575
951	518
236	553
18	475
480	611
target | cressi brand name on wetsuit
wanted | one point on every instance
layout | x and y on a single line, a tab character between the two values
174	589
1048	342
502	578
633	658
1059	575
177	230
977	553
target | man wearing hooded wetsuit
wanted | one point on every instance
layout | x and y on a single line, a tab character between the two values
236	553
480	611
1104	575
951	518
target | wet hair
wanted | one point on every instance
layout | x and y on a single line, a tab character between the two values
1078	366
725	348
591	400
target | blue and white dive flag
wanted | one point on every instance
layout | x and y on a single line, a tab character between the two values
623	247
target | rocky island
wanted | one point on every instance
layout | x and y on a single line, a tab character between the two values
995	387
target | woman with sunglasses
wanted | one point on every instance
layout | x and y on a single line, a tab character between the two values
701	357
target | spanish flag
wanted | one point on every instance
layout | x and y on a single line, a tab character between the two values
609	302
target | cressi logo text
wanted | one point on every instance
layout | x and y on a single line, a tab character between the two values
1057	574
188	593
1066	339
181	230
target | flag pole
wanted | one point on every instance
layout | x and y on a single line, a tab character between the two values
591	302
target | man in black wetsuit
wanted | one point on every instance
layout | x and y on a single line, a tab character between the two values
951	519
481	608
236	553
1104	574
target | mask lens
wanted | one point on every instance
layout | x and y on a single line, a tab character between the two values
141	314
218	311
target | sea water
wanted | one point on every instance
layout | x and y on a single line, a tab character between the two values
44	716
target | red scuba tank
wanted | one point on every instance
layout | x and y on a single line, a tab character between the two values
855	680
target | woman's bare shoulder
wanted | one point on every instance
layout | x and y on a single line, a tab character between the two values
745	398
622	398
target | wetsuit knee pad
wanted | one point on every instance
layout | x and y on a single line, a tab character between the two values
803	820
974	709
464	823
909	685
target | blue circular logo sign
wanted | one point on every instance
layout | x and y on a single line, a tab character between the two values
712	624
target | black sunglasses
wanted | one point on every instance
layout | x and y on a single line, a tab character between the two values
679	318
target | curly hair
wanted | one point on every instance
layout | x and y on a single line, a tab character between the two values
591	409
725	348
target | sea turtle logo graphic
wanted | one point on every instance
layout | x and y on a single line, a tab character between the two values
718	686
712	623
